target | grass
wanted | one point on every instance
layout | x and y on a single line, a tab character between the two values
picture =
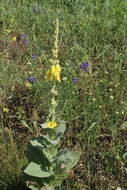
94	107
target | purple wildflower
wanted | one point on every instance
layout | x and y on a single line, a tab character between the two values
84	66
34	56
32	79
26	42
23	36
75	80
24	39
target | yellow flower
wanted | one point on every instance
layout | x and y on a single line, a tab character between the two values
52	124
6	110
53	101
14	38
8	31
28	85
54	72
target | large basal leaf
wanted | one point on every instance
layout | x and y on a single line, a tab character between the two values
35	170
67	159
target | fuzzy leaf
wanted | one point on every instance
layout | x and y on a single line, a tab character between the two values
53	142
35	170
40	142
36	155
68	159
60	129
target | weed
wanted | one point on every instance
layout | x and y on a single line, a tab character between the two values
93	102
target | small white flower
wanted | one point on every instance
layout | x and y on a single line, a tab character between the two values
111	97
118	188
64	78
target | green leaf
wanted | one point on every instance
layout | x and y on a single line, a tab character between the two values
53	142
67	159
35	170
50	153
35	142
42	149
58	179
40	142
60	129
35	154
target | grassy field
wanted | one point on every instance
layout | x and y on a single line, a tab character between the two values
92	95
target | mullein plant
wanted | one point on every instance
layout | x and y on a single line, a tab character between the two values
48	164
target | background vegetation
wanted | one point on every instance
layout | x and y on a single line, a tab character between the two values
93	103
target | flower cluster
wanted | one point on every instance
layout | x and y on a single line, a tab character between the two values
32	79
54	72
84	66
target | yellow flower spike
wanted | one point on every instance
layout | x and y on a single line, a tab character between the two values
14	38
5	110
54	72
51	124
55	53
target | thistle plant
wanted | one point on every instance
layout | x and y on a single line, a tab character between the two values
49	165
